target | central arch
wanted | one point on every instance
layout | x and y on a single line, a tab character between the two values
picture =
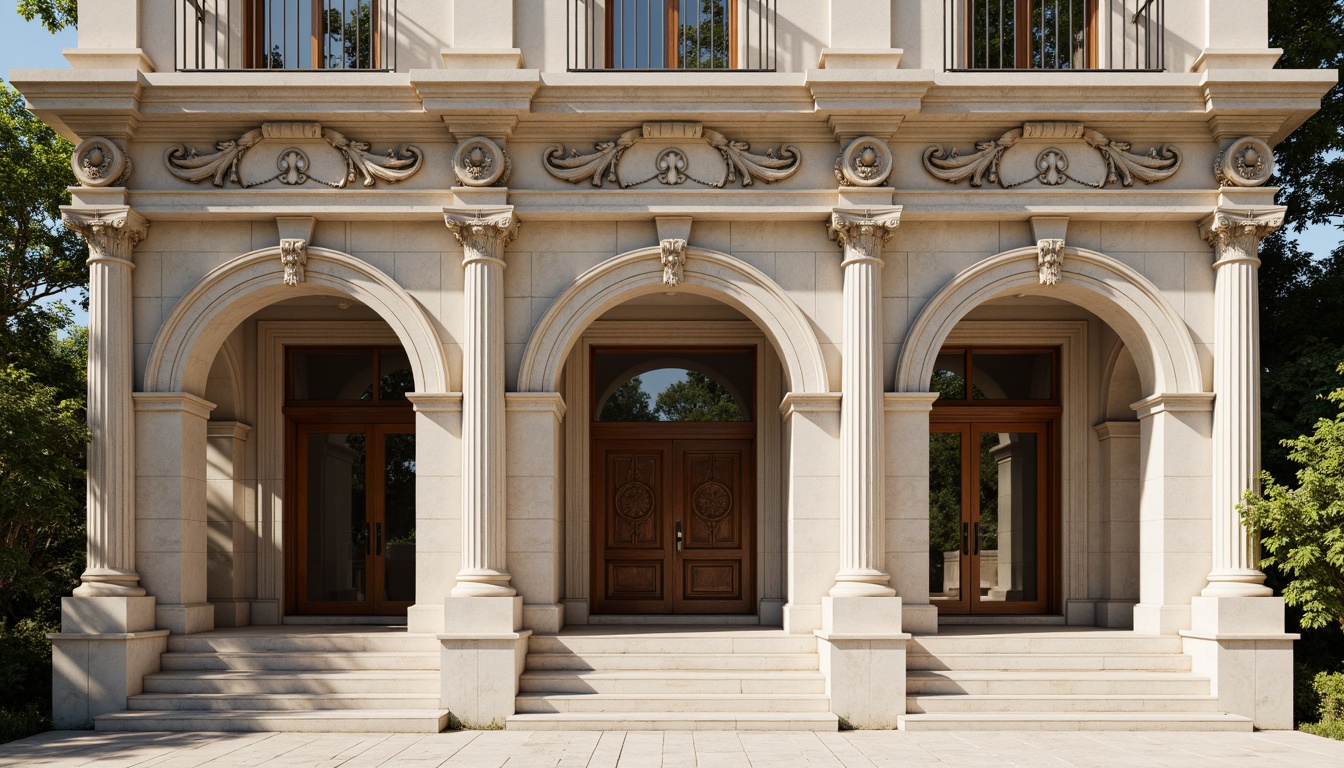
708	273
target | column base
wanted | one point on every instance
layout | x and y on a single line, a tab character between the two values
1239	643
862	651
1246	582
862	583
481	659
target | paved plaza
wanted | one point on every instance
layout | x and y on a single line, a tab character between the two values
518	749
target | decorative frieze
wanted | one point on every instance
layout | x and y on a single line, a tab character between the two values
1052	163
674	261
222	165
866	162
480	162
671	166
97	162
1049	260
1248	162
293	258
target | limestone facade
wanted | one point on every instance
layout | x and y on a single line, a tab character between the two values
846	216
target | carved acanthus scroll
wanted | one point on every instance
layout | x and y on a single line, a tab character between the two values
674	261
1122	166
221	166
1050	260
672	165
293	258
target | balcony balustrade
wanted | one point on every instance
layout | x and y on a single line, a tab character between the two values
332	35
671	35
1015	35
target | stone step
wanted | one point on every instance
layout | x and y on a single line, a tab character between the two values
291	661
303	642
669	681
326	721
721	643
652	661
1044	643
280	701
1105	683
1075	721
675	721
341	681
1168	662
626	704
1006	704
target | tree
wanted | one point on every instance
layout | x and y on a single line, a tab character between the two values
704	41
698	398
1303	527
628	403
55	15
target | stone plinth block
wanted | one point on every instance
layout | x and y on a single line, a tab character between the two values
862	650
94	674
106	615
482	615
1240	645
479	677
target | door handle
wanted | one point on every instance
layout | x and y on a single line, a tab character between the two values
975	537
965	539
680	538
379	528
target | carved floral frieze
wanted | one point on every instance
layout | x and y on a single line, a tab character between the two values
672	164
1052	163
292	164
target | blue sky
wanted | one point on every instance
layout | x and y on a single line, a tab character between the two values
26	45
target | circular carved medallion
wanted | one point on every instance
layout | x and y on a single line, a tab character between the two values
97	162
866	162
711	501
480	162
1247	163
634	501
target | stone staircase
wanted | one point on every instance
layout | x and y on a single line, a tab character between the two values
1025	678
672	678
341	679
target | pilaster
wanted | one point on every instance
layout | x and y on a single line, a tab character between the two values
1234	233
862	233
483	234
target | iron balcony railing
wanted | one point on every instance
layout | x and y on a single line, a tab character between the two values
307	35
671	35
1015	35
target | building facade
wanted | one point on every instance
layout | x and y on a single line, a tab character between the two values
828	330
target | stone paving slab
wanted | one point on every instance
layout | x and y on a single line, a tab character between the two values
672	749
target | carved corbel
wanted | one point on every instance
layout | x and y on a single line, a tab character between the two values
97	162
1049	260
293	257
674	261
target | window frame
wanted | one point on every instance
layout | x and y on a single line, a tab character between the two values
254	36
672	51
1023	39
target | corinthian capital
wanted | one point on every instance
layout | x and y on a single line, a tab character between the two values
112	232
1235	233
483	232
863	232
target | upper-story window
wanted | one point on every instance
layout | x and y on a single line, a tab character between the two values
997	35
671	34
286	34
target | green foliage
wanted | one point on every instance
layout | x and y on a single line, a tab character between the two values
1330	688
39	258
55	15
698	398
704	42
1303	527
628	403
41	507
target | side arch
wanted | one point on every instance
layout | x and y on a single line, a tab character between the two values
1126	300
707	273
185	346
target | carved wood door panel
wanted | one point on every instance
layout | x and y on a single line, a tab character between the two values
673	526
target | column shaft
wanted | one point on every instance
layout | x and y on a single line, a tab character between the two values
483	235
862	519
1236	411
111	234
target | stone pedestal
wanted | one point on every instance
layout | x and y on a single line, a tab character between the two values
105	648
862	651
481	659
1240	645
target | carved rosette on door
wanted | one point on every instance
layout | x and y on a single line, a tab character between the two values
711	502
635	500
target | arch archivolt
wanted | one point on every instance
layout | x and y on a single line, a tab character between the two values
1126	300
707	273
186	344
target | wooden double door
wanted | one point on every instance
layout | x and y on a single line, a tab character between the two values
674	510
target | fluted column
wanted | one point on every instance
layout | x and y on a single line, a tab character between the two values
862	233
112	234
483	234
1235	235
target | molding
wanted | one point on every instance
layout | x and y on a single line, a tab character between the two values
221	166
435	402
809	402
672	165
1174	402
172	402
535	402
913	402
1122	429
1052	163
